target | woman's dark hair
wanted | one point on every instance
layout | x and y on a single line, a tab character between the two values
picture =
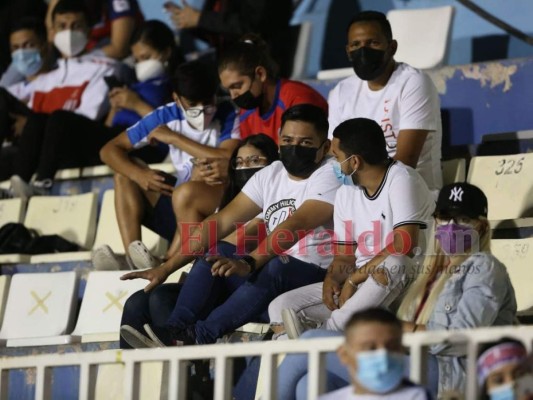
159	36
265	144
246	55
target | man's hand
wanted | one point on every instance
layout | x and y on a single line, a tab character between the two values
212	171
162	134
184	18
347	291
152	180
156	276
224	267
122	97
330	289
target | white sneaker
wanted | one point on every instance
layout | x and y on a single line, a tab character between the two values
24	190
294	325
104	259
151	334
141	257
136	339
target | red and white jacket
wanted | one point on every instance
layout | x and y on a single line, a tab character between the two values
76	85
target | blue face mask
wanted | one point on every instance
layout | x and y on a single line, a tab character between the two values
503	392
379	371
27	61
341	176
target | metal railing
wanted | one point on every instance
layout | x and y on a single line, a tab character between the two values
176	359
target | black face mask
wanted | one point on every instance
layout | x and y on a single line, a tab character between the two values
298	160
243	175
368	63
248	101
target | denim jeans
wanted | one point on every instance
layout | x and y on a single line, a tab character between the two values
151	308
234	301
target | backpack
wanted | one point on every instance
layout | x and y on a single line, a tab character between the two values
14	237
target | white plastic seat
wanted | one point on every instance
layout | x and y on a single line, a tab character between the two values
5	281
102	305
11	210
40	309
423	35
104	170
72	217
517	255
506	181
454	171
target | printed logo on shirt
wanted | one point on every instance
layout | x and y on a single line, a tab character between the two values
386	125
121	5
278	212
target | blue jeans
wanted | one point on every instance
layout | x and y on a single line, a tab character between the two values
234	301
151	308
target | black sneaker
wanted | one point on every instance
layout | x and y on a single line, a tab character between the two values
186	336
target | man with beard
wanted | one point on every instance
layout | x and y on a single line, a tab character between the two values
400	98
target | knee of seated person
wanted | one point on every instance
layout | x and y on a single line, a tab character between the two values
183	195
136	301
393	270
119	179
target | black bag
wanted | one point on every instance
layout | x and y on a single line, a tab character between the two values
14	238
47	244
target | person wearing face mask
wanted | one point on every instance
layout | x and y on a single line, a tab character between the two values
379	212
504	371
249	74
400	98
232	286
463	285
154	307
154	47
191	126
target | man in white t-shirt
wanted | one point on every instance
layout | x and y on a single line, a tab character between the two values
379	211
228	287
400	98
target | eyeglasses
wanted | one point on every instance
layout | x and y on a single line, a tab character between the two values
459	220
249	162
194	112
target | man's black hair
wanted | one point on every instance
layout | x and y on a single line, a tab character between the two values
373	16
197	81
71	6
33	24
311	114
380	315
362	137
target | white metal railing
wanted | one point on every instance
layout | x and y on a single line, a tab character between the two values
175	360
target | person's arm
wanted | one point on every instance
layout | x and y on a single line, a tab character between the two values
339	270
121	31
405	238
199	237
48	19
115	155
409	146
165	135
126	98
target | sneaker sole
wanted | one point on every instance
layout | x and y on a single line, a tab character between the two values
151	334
135	338
104	259
140	256
290	321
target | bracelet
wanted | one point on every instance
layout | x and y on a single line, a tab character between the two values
352	284
250	261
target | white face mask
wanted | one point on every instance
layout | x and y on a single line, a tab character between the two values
149	69
203	119
70	42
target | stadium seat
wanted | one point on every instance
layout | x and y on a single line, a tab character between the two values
423	35
5	280
506	181
40	309
72	217
102	304
11	210
517	254
506	143
104	170
454	170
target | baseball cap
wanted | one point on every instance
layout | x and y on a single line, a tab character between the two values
462	199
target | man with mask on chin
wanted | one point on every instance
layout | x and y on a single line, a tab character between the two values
296	196
400	98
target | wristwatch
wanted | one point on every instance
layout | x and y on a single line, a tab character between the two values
250	261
